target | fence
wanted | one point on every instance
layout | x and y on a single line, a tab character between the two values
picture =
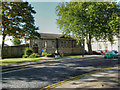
13	51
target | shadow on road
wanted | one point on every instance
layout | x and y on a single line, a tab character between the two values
41	76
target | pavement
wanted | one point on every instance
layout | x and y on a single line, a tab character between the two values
105	79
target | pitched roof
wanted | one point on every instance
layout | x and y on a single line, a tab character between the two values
52	36
47	35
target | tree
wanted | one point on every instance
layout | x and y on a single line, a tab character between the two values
18	21
89	20
16	41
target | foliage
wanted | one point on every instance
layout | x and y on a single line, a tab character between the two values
16	41
99	20
18	60
18	21
46	54
34	55
24	56
28	51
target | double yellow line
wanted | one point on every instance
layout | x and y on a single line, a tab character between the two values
74	78
16	68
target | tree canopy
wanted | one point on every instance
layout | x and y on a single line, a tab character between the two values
18	21
16	41
99	20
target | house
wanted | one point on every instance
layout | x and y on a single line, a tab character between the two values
53	42
106	45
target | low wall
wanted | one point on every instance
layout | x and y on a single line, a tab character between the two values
13	51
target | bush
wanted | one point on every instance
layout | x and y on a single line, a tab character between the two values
28	51
34	55
46	54
25	56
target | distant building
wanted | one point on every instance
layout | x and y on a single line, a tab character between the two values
53	42
102	45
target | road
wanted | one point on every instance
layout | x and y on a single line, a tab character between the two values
41	76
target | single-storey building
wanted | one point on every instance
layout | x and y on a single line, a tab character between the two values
53	42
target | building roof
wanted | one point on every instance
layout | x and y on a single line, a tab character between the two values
47	35
53	36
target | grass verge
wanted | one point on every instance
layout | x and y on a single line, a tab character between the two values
22	60
18	60
77	56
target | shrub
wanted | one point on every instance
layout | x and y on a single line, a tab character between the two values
25	56
46	54
34	55
28	51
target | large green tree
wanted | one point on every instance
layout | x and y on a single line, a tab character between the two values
88	20
18	21
16	41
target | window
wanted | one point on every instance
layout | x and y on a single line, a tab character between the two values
53	44
61	44
45	44
35	45
100	46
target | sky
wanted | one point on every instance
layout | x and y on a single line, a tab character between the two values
45	17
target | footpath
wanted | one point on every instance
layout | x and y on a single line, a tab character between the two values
106	79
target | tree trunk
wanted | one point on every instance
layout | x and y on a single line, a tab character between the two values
89	45
3	41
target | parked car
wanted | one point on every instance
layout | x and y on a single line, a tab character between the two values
96	52
110	54
115	51
103	52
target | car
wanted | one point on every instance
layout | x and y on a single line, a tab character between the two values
115	51
110	54
103	52
96	52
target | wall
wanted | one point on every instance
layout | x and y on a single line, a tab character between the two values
13	51
66	46
101	45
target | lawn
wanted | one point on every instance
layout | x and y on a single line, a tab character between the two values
18	60
73	56
22	60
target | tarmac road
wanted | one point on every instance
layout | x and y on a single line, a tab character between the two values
41	76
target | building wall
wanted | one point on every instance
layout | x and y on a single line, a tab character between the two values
101	45
119	45
66	46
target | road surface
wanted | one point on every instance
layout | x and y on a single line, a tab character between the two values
42	76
